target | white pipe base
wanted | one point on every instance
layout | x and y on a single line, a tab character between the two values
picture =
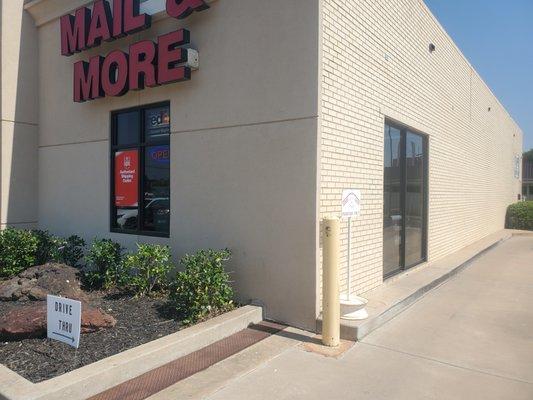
353	308
356	315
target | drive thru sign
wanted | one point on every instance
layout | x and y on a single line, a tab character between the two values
63	320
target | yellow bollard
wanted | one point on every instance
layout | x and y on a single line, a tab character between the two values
330	283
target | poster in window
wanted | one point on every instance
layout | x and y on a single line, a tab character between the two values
127	178
157	121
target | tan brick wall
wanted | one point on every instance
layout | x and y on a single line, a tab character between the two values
375	64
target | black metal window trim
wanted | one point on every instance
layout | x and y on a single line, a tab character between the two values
403	165
140	145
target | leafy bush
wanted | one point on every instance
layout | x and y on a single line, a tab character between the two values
105	262
147	269
203	288
47	247
17	251
52	248
520	216
70	250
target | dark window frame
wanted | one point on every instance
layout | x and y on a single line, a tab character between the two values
141	146
403	194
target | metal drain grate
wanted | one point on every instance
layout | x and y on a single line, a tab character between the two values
160	378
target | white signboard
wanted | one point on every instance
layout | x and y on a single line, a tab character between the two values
351	203
63	319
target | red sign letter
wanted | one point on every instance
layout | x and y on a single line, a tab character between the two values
87	80
183	8
118	6
133	22
127	178
115	73
74	31
142	68
169	56
101	23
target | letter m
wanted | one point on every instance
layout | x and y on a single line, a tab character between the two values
87	84
74	30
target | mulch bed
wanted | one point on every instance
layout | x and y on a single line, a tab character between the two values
139	321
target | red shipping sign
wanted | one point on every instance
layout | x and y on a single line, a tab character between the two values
127	178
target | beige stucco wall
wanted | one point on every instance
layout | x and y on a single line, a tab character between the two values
243	144
19	108
376	63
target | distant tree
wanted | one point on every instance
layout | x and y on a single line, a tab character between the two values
528	155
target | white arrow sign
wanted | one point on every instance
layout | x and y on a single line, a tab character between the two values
63	320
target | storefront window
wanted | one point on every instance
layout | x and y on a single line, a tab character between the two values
140	158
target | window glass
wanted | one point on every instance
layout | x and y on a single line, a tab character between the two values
392	208
140	174
404	199
128	128
126	218
414	199
156	213
157	123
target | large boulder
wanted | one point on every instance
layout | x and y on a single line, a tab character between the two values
36	282
29	321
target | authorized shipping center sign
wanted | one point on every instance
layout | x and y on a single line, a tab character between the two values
127	178
147	63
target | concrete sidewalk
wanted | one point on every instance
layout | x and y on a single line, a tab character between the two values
471	338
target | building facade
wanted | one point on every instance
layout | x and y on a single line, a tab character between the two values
290	104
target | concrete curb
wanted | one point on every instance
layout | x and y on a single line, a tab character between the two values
357	330
104	374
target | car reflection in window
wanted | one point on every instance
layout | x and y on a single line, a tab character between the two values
156	215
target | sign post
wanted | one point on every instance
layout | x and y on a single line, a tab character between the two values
351	207
352	307
63	320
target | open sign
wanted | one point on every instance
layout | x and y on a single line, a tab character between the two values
160	154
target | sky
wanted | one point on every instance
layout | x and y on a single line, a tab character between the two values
497	38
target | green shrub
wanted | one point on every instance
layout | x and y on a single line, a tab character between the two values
17	251
51	248
147	270
105	262
70	250
203	288
520	216
47	247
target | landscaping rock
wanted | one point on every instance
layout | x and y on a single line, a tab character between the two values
94	320
24	323
29	321
36	282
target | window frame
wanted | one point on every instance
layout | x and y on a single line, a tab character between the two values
404	129
140	146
